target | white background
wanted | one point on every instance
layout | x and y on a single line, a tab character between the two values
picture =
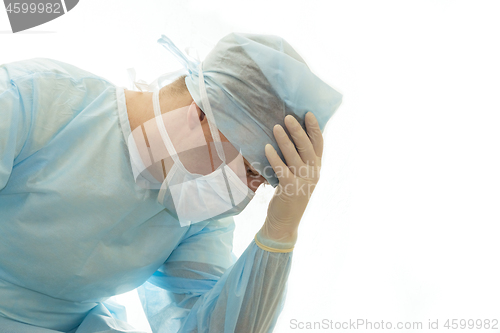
404	225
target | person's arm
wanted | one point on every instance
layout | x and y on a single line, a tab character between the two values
201	288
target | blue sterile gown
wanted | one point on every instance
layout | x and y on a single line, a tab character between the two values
76	229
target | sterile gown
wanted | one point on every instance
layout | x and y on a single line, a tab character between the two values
75	228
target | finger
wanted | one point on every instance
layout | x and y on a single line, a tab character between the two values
314	133
304	146
280	168
286	146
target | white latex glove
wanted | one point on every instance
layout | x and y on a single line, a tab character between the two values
297	180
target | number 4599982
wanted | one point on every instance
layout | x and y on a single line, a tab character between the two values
23	7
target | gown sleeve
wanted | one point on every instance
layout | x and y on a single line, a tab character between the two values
12	130
202	288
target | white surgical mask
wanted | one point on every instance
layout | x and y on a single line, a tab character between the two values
194	197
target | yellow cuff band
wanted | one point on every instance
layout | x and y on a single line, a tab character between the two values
270	249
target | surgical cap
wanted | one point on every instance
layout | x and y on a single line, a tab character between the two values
253	82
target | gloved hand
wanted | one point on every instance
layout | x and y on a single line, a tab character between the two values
297	180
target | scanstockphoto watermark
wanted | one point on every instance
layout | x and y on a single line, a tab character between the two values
354	324
367	324
303	171
304	182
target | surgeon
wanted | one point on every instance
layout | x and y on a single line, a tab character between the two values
105	189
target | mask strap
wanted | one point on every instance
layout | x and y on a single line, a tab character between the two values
194	66
190	63
161	127
207	109
213	130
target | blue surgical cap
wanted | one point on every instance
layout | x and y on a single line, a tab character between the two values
253	82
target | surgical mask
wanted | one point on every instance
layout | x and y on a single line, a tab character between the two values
193	197
215	192
190	195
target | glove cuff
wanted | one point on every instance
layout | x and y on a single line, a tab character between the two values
272	246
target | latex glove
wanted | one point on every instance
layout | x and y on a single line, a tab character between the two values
297	180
